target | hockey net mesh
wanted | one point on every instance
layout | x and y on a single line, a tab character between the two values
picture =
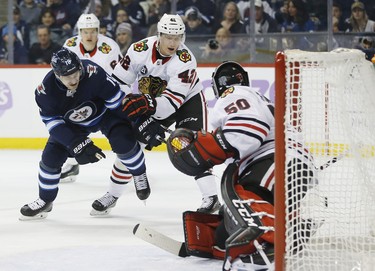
330	107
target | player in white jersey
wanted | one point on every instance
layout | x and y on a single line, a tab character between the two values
169	92
102	50
244	132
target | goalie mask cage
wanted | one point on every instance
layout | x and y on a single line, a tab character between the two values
327	101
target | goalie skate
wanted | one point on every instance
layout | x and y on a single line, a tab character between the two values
104	205
69	173
35	210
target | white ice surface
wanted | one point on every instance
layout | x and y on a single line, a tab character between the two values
70	239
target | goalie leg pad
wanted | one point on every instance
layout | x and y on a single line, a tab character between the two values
199	229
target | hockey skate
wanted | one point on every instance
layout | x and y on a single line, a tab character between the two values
142	187
209	205
37	209
69	173
262	259
104	205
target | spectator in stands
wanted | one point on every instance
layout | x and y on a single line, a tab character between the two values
223	47
30	12
207	9
66	13
19	51
231	19
23	31
194	23
298	19
47	18
134	11
122	17
103	11
366	45
244	8
359	21
339	24
41	51
264	23
124	37
154	9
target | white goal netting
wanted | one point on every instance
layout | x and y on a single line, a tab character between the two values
330	206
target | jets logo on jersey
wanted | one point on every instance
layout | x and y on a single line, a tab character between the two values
227	92
105	48
141	46
81	113
71	42
91	70
40	89
184	55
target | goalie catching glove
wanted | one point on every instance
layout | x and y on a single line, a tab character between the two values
193	153
149	132
84	151
136	105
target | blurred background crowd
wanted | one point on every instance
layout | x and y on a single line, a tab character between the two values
248	31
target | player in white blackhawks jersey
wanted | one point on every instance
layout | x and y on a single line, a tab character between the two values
104	51
169	92
244	132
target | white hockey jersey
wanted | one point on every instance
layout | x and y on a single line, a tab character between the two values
247	121
172	80
106	54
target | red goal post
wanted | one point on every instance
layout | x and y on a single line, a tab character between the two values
328	100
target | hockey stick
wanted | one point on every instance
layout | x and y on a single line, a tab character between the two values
160	240
332	161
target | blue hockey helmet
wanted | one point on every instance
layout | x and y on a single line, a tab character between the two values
227	74
64	62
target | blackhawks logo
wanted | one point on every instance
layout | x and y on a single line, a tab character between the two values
184	55
141	46
105	48
152	85
72	42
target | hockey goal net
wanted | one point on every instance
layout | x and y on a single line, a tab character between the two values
325	209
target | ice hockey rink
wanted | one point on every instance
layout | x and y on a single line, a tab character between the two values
70	239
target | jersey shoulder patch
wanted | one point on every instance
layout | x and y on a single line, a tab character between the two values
183	55
105	48
72	42
227	92
40	89
140	46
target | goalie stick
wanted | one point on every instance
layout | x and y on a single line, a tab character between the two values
160	240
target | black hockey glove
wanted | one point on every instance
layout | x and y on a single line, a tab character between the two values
149	132
136	105
86	152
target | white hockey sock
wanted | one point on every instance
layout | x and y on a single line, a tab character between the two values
207	185
71	161
119	178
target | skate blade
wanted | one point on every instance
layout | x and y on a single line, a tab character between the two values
40	216
100	213
69	179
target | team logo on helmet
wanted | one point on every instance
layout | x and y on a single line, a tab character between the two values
71	42
141	46
184	55
105	48
227	92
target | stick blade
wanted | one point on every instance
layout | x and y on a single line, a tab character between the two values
160	240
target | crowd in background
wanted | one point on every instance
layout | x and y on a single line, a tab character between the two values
42	26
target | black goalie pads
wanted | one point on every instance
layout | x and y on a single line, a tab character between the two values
193	153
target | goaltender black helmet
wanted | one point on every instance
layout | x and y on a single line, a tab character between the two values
64	62
227	74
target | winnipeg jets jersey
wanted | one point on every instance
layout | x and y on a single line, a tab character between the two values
106	53
66	114
247	121
174	78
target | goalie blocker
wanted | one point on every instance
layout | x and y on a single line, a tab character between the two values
242	234
193	152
